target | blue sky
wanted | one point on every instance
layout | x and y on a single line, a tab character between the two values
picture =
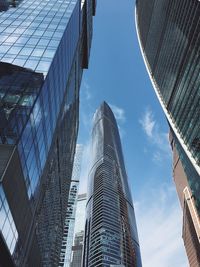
117	75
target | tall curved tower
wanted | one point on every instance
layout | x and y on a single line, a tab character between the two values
169	38
111	237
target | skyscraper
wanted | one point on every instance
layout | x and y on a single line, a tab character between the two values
67	242
68	234
191	223
44	46
110	233
77	248
168	34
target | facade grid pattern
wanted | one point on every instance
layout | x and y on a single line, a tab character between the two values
110	236
68	234
77	248
173	65
30	35
7	225
42	53
169	37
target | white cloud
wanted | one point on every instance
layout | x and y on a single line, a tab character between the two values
158	139
157	157
148	123
119	113
120	116
122	131
159	220
87	92
86	118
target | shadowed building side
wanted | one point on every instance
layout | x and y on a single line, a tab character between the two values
169	39
77	248
68	233
191	223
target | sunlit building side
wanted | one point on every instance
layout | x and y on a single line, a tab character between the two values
111	237
44	46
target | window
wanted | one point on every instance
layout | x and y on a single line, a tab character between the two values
7	225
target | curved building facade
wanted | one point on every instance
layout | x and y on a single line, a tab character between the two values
169	38
111	237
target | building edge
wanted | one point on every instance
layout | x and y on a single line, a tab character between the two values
156	90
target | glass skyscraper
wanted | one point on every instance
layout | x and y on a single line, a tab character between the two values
44	46
169	38
68	234
111	237
66	249
77	249
191	223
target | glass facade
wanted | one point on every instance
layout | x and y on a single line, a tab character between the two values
20	86
110	231
42	53
7	224
169	37
31	33
77	249
68	234
66	249
80	213
191	173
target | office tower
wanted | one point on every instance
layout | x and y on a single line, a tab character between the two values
191	224
68	234
44	46
168	34
110	232
77	249
66	249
